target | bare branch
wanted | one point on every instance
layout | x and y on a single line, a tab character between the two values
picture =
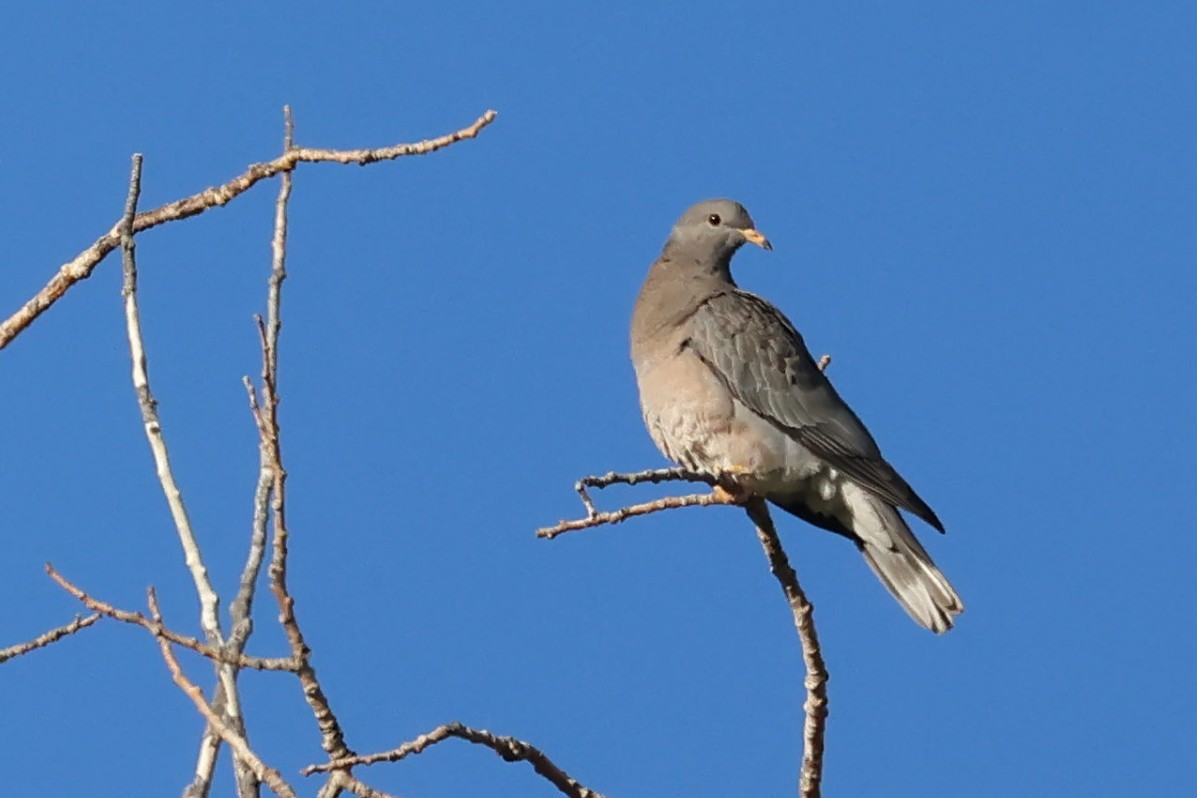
271	777
509	748
816	671
209	750
654	476
85	262
209	601
266	416
631	511
52	636
342	780
241	609
151	626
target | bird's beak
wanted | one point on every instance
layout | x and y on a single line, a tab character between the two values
754	235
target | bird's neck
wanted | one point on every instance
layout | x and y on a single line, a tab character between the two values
674	287
681	264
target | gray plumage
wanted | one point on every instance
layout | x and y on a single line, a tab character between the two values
728	388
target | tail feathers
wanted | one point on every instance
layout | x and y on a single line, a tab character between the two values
891	550
901	562
914	581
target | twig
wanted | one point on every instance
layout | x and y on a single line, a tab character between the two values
151	626
341	780
631	511
271	777
815	707
52	636
509	748
654	476
270	451
241	608
86	261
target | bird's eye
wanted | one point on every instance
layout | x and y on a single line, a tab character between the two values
714	219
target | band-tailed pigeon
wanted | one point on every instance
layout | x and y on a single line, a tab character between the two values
728	388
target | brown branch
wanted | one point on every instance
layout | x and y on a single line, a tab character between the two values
815	707
631	511
509	748
158	630
52	636
241	608
237	742
266	417
653	476
82	265
341	780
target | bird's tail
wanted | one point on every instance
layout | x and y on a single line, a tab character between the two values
903	566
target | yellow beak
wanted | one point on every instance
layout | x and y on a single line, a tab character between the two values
757	238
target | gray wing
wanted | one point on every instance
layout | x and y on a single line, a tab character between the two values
763	361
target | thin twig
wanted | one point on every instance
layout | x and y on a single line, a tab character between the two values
241	608
86	261
151	626
815	707
266	417
654	476
266	774
624	513
341	780
509	748
45	639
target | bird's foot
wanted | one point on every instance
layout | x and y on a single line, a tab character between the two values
728	490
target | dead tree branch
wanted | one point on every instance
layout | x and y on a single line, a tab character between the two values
509	748
815	708
137	619
82	265
272	471
45	639
236	741
654	476
209	600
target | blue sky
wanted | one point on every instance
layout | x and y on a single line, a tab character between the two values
984	214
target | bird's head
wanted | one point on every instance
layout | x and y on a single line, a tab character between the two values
715	229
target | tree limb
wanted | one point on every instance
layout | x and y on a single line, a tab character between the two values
45	639
82	265
509	748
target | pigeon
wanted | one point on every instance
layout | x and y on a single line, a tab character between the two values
729	389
